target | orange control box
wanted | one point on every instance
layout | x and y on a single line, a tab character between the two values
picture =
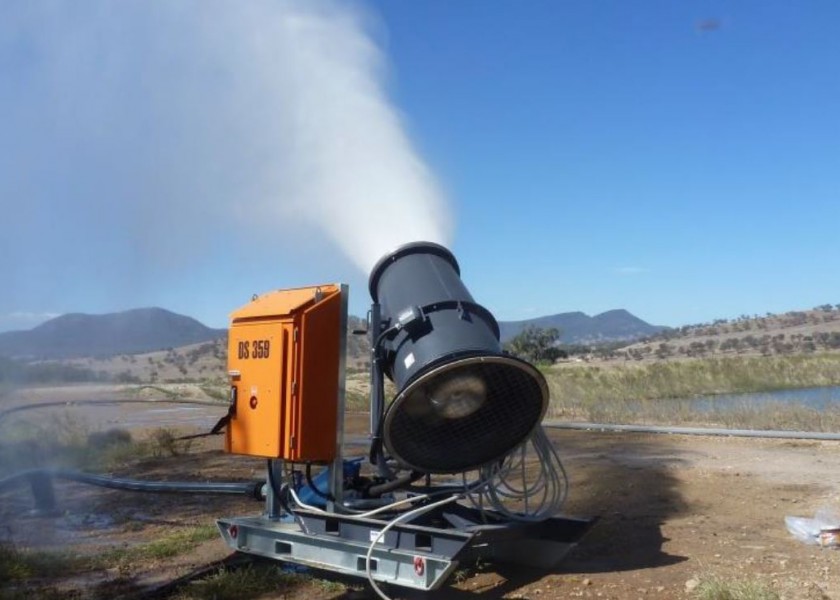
285	363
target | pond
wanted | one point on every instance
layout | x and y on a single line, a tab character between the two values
819	398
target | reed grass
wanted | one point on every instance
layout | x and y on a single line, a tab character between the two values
658	392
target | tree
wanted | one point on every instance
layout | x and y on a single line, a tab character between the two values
664	350
536	344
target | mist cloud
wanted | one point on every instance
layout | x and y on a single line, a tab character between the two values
142	133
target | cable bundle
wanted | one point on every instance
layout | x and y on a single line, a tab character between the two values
499	487
509	486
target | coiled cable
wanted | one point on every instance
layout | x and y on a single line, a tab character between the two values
518	495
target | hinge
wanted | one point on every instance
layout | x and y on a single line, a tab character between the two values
294	388
295	334
292	442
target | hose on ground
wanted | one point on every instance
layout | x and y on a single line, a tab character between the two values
251	489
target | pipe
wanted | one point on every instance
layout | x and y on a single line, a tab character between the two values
377	490
314	488
252	489
71	403
750	433
249	488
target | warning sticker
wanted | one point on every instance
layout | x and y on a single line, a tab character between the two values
374	535
409	360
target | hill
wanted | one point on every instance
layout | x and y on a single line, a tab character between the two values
153	344
128	332
794	332
580	328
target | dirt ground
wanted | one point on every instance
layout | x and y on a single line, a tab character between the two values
672	510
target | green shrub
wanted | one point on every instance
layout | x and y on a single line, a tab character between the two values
714	588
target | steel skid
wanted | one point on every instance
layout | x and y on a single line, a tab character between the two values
420	554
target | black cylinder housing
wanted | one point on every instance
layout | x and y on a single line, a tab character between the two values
420	284
436	337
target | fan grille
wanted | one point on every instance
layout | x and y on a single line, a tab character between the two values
420	438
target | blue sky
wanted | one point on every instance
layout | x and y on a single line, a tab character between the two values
677	159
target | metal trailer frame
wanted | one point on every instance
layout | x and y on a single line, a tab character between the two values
420	553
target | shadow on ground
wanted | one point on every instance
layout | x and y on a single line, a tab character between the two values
628	483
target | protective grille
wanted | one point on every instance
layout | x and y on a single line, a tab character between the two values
419	437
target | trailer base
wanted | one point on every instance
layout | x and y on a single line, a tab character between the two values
419	554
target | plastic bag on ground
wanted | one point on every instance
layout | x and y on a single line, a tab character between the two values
809	531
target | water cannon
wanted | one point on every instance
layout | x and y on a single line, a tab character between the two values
458	466
462	402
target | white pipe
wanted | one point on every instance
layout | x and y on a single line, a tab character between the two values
753	433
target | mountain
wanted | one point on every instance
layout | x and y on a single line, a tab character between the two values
149	329
580	328
128	332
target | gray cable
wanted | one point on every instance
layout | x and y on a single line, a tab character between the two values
508	484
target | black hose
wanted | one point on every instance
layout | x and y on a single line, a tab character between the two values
395	484
280	492
250	488
13	480
314	488
282	495
393	330
377	456
272	482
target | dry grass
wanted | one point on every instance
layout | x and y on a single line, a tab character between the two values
685	379
658	392
789	333
204	361
714	588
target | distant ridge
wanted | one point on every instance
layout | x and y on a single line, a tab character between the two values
77	335
580	328
128	332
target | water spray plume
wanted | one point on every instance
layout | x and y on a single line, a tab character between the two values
161	123
345	161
